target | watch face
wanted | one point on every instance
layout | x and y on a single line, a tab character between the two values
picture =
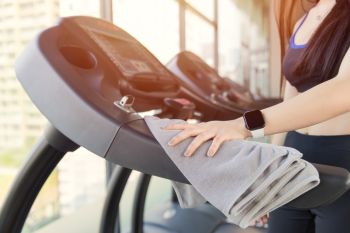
254	120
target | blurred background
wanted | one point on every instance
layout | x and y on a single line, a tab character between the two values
237	37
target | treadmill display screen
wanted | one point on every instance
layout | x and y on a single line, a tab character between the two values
127	55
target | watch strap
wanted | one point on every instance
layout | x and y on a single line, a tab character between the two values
258	133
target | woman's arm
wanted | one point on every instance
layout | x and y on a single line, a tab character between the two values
316	105
289	92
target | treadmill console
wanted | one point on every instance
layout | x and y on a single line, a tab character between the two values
201	75
79	72
206	82
128	66
205	86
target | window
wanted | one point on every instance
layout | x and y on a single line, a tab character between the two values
230	19
205	7
200	37
243	45
22	124
153	22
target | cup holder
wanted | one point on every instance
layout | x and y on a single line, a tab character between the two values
79	57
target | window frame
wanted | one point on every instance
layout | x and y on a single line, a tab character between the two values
106	12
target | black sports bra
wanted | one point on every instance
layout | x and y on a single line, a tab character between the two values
300	82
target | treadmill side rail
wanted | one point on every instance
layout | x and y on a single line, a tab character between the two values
42	161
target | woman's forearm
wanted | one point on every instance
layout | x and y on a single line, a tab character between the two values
323	102
316	105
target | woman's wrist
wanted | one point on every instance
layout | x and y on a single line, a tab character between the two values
240	125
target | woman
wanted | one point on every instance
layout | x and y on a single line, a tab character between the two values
315	111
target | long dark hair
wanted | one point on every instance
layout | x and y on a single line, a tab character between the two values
329	43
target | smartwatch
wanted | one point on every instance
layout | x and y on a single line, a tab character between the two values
255	123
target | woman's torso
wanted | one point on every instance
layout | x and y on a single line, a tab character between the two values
339	125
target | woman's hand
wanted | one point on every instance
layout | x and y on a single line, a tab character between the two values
219	131
262	221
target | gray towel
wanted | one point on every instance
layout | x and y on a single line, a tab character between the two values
244	180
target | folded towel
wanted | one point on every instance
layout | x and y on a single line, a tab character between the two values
244	180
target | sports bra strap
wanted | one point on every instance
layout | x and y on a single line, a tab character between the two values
292	39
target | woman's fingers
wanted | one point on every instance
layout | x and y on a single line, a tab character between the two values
265	219
215	145
197	142
183	136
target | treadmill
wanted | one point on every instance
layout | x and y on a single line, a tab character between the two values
91	80
207	85
242	94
